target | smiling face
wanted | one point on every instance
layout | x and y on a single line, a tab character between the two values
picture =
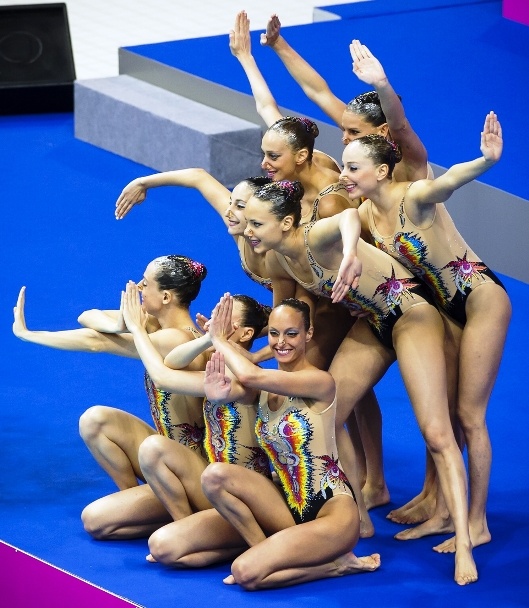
355	126
264	230
359	175
279	160
287	336
235	211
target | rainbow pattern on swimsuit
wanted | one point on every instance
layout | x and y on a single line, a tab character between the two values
357	302
158	400
222	422
463	271
286	445
413	253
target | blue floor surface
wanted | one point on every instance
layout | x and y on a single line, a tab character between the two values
59	237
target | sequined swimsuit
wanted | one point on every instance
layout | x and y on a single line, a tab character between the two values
301	446
178	417
230	436
386	289
438	255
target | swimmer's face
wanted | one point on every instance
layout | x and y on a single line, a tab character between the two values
151	294
359	174
287	336
279	160
355	126
235	211
263	230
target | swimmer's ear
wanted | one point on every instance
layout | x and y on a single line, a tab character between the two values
287	222
167	297
247	334
310	332
301	156
382	172
383	129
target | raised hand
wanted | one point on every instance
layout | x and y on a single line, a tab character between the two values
348	277
19	323
365	65
220	325
217	385
133	314
273	27
132	194
491	138
240	43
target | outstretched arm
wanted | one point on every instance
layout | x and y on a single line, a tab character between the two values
313	85
175	381
240	46
441	188
369	70
212	190
82	340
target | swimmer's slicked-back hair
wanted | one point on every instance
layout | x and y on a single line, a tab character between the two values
284	197
254	314
380	150
301	307
180	274
299	133
256	182
368	106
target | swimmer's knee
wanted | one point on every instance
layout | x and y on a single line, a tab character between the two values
94	522
92	421
245	574
151	451
214	477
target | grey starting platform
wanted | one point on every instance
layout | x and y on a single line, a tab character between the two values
163	130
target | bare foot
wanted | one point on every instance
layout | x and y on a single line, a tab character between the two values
150	558
229	580
435	525
375	496
465	570
416	511
367	529
477	538
350	564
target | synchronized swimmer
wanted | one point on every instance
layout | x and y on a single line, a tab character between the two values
363	266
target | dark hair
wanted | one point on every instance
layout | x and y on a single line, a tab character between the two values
381	151
256	182
285	198
368	106
254	315
301	307
299	133
180	274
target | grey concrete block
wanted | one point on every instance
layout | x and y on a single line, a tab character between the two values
163	130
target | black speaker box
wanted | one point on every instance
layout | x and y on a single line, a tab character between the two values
36	60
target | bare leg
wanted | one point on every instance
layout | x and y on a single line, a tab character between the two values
131	513
370	359
306	552
369	420
173	472
199	540
418	339
488	315
332	322
114	437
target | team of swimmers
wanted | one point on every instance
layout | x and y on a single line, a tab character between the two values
276	469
